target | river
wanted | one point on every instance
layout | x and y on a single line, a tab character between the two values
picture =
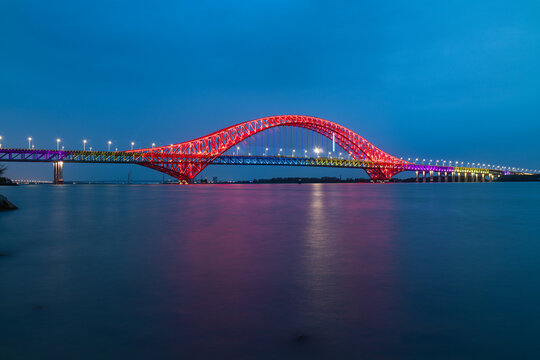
314	271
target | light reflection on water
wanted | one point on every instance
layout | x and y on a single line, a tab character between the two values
404	271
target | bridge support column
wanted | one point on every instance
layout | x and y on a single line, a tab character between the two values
58	169
453	175
446	176
417	176
423	176
439	176
431	176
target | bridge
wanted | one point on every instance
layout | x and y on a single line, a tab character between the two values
186	160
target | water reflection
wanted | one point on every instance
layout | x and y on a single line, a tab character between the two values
350	269
269	271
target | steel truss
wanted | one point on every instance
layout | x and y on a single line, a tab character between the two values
185	160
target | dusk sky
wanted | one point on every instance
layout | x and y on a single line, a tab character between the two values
455	80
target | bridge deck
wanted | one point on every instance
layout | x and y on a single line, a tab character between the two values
116	157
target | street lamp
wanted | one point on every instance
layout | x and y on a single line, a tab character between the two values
57	144
90	148
109	145
84	144
29	142
0	142
132	143
153	144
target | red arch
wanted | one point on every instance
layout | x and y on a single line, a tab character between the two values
187	159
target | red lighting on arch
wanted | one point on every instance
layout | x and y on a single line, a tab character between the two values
187	159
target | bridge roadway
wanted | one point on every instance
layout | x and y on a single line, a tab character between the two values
58	157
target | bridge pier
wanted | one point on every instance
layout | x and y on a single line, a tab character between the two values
431	176
423	176
416	175
446	176
58	170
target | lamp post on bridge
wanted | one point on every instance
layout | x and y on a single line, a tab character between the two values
0	142
84	144
153	144
132	143
109	143
57	144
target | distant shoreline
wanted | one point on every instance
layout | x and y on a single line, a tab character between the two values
287	180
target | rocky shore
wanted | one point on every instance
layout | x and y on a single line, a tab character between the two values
5	204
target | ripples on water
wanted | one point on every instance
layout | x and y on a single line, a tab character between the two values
375	271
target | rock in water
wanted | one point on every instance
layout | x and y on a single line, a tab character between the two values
5	204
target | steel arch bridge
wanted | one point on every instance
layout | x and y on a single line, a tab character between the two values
187	159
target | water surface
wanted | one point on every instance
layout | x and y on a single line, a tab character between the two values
315	271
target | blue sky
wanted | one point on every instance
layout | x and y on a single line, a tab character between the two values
455	80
